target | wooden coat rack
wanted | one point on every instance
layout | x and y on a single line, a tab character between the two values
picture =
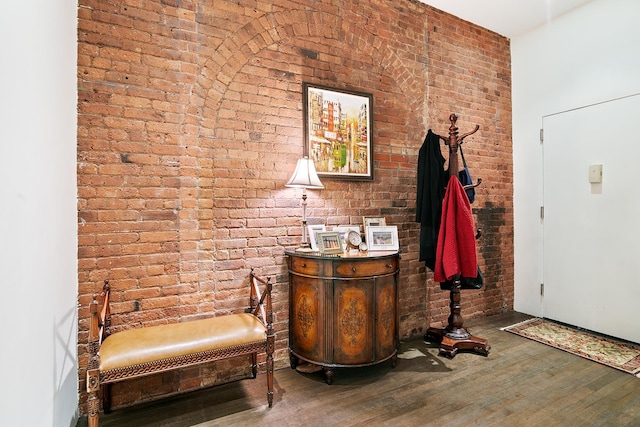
455	337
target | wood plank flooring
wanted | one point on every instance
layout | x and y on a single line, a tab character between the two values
520	383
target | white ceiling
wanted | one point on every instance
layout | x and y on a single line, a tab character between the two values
509	18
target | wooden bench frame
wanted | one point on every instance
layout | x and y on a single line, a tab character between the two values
100	329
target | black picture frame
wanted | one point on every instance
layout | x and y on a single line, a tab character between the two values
338	132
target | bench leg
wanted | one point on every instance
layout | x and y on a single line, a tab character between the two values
270	348
93	400
106	398
254	365
93	410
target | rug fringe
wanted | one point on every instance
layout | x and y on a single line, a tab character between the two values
504	328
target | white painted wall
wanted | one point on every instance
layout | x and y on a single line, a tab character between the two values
38	235
588	56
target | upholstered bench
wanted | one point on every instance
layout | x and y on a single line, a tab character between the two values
144	351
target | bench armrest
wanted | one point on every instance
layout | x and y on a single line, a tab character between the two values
260	304
99	319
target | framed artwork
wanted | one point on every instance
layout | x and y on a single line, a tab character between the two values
329	242
382	238
338	129
312	230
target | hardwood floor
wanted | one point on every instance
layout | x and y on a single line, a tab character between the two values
520	383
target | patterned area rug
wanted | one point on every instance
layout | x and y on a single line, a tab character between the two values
617	354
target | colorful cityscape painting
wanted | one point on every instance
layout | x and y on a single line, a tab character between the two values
338	129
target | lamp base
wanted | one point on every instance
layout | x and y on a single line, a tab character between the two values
305	247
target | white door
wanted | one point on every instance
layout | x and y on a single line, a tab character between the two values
591	246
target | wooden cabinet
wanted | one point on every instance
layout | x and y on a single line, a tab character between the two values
343	309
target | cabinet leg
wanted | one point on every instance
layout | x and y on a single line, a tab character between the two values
293	361
328	375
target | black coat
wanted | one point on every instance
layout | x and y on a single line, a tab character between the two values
430	192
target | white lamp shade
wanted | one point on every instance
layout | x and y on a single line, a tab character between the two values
305	175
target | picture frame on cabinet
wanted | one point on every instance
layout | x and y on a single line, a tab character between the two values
312	230
329	242
372	221
338	131
382	238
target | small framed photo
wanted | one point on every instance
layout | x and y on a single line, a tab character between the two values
373	221
382	238
312	230
329	242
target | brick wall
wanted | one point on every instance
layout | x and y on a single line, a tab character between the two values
190	124
470	74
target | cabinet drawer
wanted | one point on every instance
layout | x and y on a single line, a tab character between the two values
362	268
308	266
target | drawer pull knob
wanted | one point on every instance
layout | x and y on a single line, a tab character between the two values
353	269
389	266
304	265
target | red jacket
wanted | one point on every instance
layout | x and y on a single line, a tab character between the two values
456	250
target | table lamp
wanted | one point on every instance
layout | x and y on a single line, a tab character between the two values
305	176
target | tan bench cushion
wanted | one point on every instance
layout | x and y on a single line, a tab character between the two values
154	343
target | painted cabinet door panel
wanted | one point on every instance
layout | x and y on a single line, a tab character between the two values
354	322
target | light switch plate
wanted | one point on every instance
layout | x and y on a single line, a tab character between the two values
595	174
